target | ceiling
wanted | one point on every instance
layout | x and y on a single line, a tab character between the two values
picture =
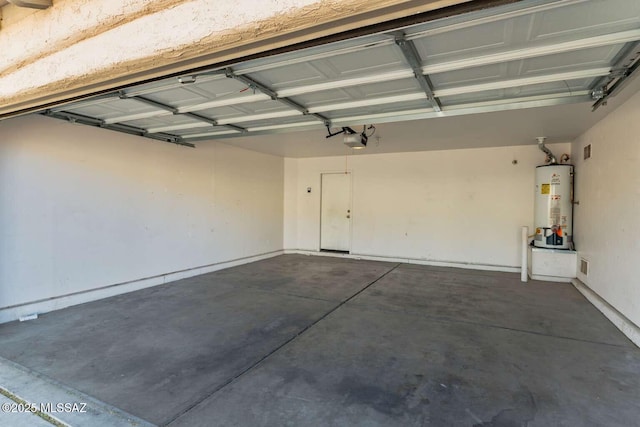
482	78
562	123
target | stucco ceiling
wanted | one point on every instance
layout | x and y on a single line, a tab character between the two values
496	77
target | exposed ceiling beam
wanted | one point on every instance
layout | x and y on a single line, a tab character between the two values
467	108
256	97
329	53
332	25
177	82
132	130
477	61
169	109
524	81
395	75
258	130
488	16
415	62
460	90
99	99
264	116
136	116
464	109
533	52
282	126
369	102
622	70
416	114
210	124
209	135
511	55
448	24
342	83
183	126
275	96
161	106
494	58
227	121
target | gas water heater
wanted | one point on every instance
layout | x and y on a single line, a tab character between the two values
553	204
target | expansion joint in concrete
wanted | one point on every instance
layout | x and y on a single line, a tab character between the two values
281	346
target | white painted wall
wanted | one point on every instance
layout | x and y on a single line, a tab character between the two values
290	213
463	207
607	220
83	208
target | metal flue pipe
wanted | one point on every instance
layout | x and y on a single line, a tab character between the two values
542	147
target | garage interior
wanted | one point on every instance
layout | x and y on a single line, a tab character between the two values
335	232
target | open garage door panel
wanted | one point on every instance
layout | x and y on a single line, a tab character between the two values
522	55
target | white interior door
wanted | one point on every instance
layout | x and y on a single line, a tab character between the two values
335	216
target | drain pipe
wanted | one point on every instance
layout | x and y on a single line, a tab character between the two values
524	265
542	147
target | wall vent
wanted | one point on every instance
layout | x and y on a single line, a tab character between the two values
584	266
587	152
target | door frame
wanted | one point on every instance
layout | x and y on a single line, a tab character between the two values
350	173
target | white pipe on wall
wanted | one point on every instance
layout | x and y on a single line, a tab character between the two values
525	243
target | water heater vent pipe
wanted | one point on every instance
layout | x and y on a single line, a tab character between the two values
541	146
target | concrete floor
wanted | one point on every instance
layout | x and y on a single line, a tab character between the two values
299	340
